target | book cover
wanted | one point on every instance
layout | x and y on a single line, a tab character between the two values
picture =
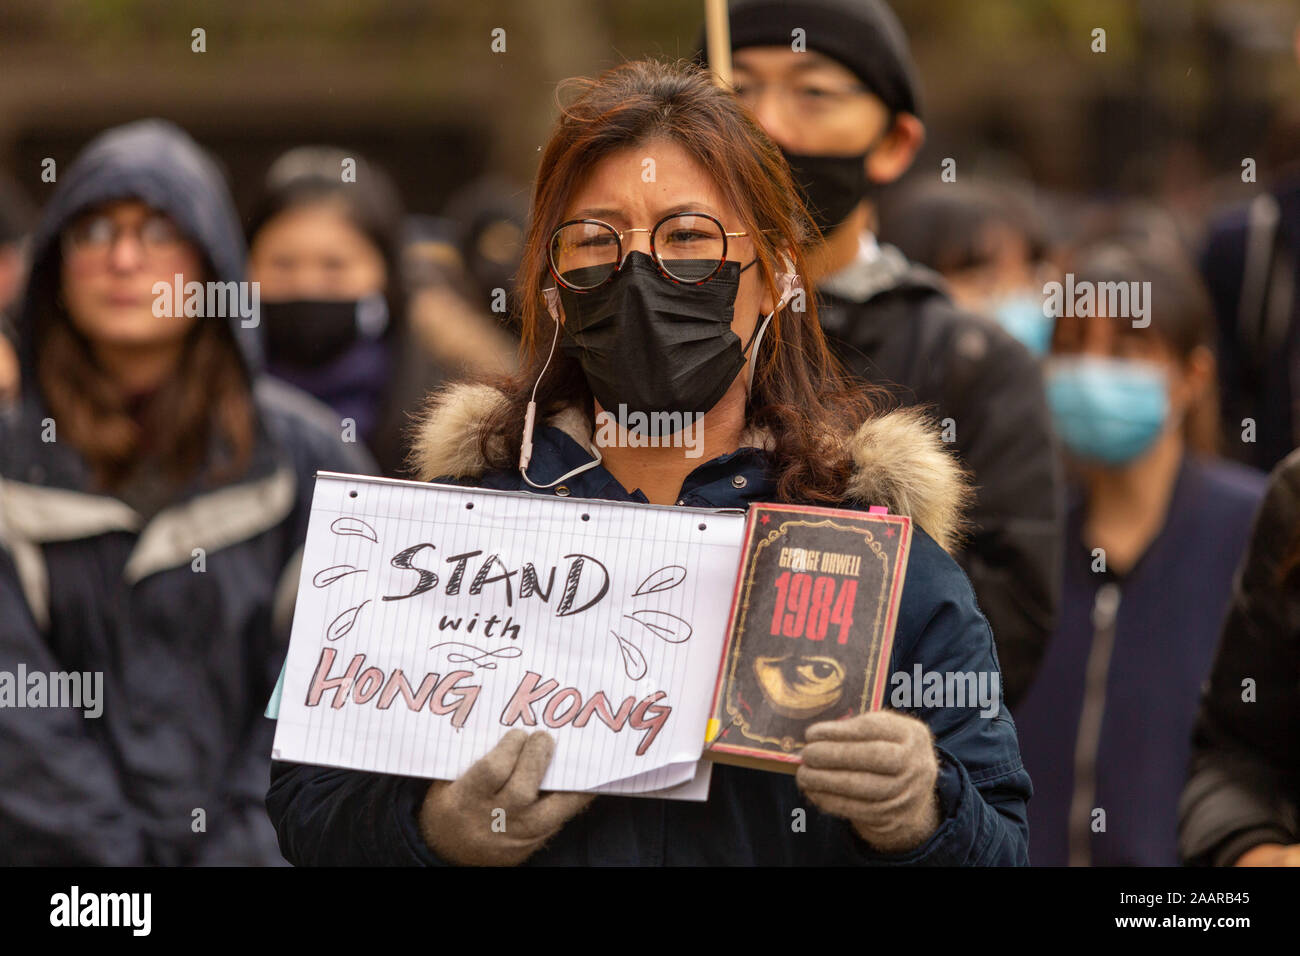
811	628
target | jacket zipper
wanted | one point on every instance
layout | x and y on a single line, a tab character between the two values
1105	609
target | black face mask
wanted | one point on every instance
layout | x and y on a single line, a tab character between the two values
311	332
653	345
833	186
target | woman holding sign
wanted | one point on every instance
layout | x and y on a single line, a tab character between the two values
660	278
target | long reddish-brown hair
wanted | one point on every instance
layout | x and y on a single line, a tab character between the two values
207	394
801	395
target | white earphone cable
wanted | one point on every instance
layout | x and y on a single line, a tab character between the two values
530	418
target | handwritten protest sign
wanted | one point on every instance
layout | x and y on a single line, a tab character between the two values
431	619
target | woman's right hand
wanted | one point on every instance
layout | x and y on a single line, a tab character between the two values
493	815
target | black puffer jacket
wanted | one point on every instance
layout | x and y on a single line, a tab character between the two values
87	584
890	322
1244	788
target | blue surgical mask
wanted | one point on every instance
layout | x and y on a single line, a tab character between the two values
1107	410
1022	314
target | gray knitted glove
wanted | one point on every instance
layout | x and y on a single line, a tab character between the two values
493	815
877	770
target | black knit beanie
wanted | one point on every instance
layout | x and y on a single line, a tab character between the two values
864	35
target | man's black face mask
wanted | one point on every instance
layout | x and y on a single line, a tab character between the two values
833	186
653	345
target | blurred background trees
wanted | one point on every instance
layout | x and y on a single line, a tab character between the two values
1185	90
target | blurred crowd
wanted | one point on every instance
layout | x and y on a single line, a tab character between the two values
1134	541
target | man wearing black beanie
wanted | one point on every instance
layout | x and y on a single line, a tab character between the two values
833	84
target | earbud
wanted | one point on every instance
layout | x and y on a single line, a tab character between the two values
552	297
788	281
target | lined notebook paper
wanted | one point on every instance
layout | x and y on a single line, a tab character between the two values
431	619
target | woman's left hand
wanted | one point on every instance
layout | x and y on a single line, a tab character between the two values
877	770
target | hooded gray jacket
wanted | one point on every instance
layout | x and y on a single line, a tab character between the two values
174	768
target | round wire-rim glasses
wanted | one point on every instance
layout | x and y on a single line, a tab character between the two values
615	265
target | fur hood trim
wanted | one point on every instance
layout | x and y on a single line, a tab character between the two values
899	460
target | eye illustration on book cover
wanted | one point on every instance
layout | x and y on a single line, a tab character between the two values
811	629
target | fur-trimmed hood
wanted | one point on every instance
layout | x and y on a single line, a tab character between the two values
900	461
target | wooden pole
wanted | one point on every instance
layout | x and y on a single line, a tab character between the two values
718	31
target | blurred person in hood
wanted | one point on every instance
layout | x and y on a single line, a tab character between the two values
154	495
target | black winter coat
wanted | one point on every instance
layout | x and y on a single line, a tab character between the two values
1244	788
891	323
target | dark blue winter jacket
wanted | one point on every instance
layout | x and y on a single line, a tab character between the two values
1129	658
175	768
329	816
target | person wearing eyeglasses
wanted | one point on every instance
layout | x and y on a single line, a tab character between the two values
154	490
677	294
833	84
